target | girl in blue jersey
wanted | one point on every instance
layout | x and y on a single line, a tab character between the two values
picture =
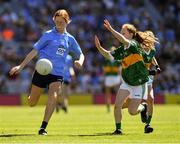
54	45
63	98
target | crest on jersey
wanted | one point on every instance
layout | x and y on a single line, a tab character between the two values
60	50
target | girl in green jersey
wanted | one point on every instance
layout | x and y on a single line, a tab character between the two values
134	72
146	117
150	94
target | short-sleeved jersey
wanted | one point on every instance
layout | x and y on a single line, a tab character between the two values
134	71
55	47
148	57
111	67
68	65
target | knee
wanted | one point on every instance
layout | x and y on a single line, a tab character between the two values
52	99
31	102
132	112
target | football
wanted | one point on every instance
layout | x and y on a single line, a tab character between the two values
44	66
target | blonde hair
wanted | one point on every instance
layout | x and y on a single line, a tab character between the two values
151	34
131	28
146	39
64	14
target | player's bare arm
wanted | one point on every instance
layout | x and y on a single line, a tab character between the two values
79	63
103	51
29	57
116	34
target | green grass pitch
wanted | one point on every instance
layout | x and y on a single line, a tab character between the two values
87	124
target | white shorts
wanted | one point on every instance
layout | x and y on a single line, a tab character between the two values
111	81
136	92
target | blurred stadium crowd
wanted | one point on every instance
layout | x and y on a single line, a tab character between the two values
22	22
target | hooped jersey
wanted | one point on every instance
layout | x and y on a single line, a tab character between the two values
148	57
111	67
134	71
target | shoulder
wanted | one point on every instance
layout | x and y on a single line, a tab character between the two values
134	46
47	33
70	36
72	39
134	43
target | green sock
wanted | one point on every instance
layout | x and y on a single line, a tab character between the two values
118	125
148	119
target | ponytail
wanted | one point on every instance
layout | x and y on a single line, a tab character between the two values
146	39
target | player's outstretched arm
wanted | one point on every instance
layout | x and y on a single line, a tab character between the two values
104	52
116	34
29	57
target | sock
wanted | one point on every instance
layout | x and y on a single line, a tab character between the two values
140	108
148	119
118	126
43	125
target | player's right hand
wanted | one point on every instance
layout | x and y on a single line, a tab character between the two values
158	69
15	70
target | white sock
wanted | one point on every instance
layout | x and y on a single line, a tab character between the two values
140	108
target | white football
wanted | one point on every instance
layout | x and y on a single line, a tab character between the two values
44	66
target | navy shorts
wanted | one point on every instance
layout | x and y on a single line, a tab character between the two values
43	81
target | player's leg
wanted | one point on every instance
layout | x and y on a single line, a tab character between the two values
134	106
65	89
59	101
120	97
150	102
108	97
36	89
50	106
126	103
34	95
138	93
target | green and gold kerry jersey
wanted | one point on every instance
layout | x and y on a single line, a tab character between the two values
148	57
111	67
134	71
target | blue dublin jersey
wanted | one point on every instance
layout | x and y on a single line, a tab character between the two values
55	47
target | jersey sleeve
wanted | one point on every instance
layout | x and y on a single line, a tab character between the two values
118	54
42	42
74	47
148	57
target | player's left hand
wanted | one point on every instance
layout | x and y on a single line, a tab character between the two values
77	64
